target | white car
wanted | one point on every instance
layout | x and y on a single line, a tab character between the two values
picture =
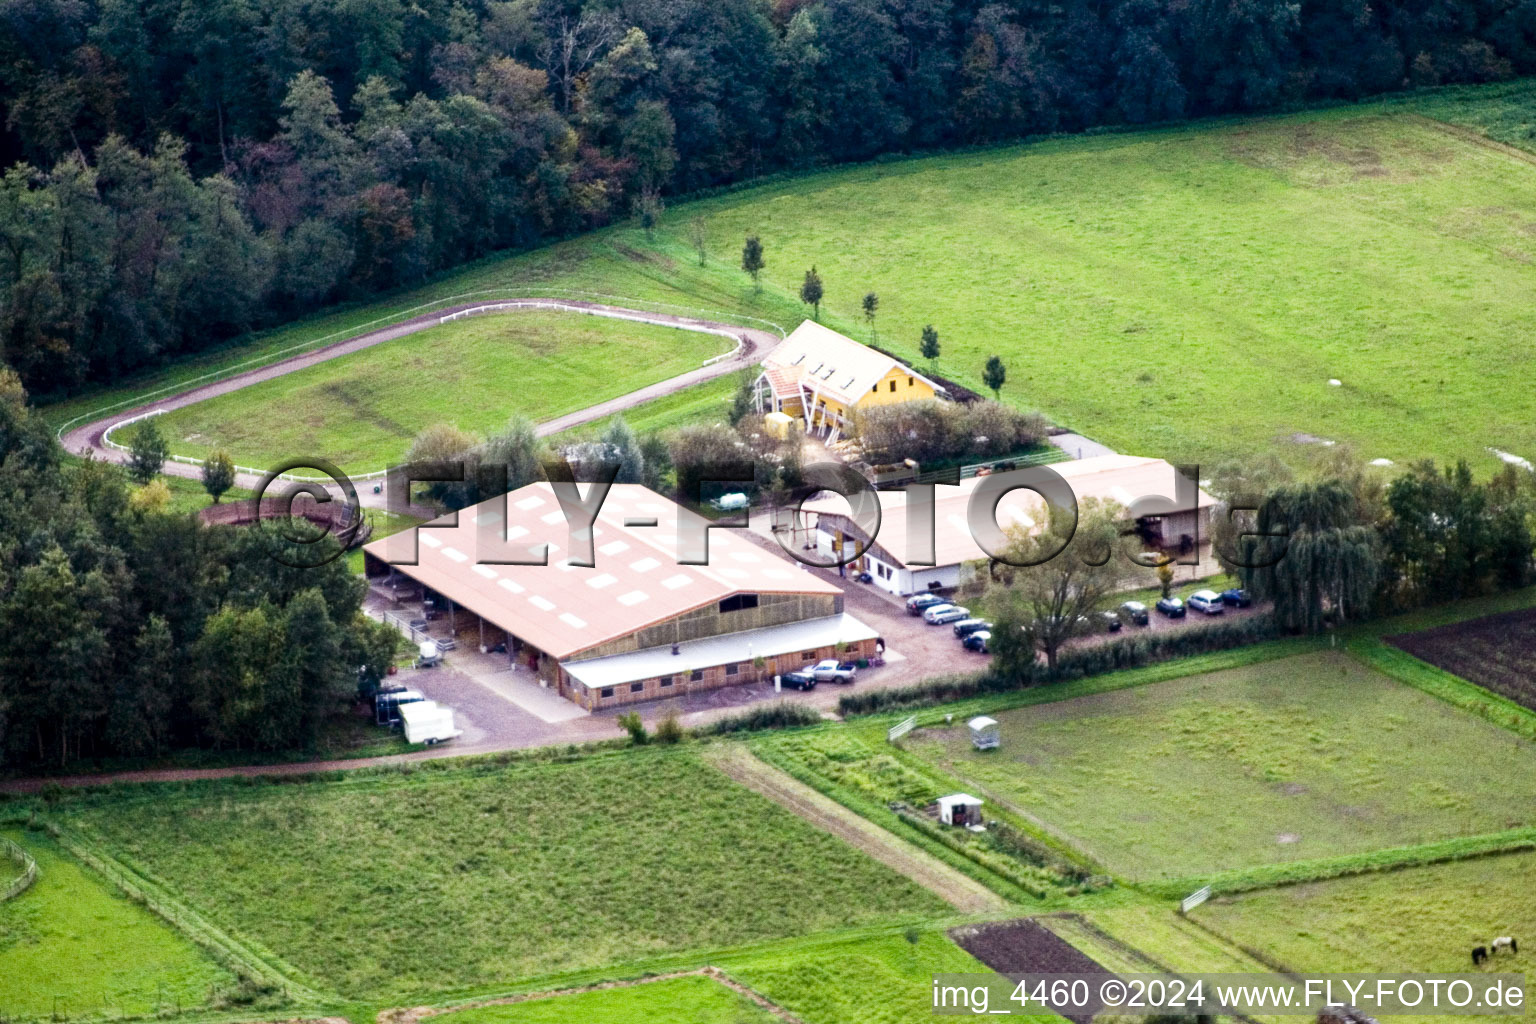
942	614
1207	601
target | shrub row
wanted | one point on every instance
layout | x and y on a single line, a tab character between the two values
1038	882
937	431
783	714
1124	652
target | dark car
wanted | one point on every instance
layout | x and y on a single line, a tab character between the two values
1135	612
977	641
1172	607
1110	621
864	577
965	627
1237	597
797	681
918	603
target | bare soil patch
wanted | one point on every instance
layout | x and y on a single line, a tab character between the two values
1497	652
1025	946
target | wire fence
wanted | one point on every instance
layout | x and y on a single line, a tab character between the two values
22	859
247	962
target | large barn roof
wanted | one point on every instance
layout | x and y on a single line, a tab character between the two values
832	363
1145	486
563	609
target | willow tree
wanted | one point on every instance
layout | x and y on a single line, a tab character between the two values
1049	581
1316	560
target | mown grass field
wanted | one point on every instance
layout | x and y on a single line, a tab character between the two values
446	881
1296	759
1185	292
71	945
1420	919
693	1000
361	411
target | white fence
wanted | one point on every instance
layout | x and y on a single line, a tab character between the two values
10	851
1194	899
900	729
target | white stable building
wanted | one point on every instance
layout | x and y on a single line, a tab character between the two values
1146	487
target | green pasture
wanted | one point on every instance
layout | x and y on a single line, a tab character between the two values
1186	292
71	946
1295	759
1424	919
361	411
439	881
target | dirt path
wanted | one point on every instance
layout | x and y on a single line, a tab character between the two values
954	888
87	438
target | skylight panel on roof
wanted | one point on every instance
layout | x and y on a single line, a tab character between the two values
644	565
486	518
633	597
682	579
746	556
799	358
573	621
456	554
601	581
514	532
486	571
552	517
734	573
543	603
613	547
830	371
775	574
532	501
512	585
429	540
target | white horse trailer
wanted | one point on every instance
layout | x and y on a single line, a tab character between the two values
428	722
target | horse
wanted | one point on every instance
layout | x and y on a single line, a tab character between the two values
1505	942
1479	954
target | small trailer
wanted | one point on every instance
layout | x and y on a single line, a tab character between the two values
983	732
427	722
429	654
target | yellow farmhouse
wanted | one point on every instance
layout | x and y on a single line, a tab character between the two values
821	377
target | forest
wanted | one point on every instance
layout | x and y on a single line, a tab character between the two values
127	630
178	172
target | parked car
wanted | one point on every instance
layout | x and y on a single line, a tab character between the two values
1237	597
1135	613
977	641
797	681
1171	607
864	577
965	627
1207	601
944	614
1110	621
832	671
919	603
